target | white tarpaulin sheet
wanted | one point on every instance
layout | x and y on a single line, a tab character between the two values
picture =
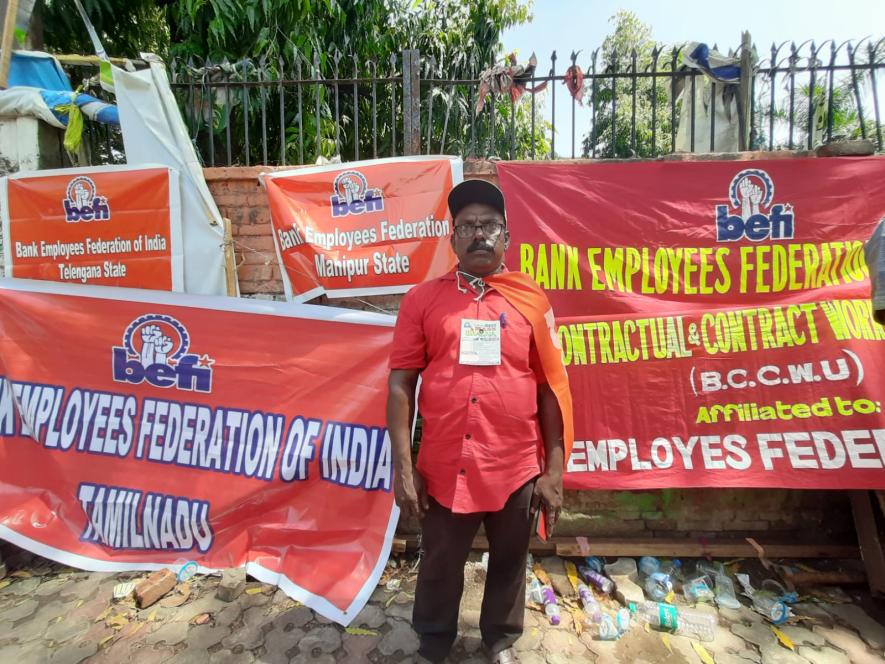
154	133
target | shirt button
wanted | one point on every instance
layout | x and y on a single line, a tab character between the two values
468	436
474	400
462	472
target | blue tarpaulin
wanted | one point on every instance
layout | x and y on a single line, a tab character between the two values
34	69
39	87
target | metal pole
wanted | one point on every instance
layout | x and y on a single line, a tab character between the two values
744	90
411	102
7	40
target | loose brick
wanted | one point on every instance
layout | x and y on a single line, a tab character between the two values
233	582
154	587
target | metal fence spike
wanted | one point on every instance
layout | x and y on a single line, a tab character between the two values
225	102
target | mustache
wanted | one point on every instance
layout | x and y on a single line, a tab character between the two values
478	245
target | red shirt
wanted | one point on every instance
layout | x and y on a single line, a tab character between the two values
481	436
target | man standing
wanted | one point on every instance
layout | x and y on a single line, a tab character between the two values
496	411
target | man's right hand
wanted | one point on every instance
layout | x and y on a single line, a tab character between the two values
411	495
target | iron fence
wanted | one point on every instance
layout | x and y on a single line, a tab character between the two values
645	103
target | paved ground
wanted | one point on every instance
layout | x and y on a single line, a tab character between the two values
52	613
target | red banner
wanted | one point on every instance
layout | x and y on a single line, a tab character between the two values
714	317
363	228
140	430
107	225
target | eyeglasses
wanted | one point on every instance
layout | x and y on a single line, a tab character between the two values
489	228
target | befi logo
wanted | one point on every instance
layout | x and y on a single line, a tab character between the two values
155	349
750	194
353	196
83	202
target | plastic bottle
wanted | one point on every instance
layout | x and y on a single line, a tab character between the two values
725	596
776	589
773	609
673	569
685	622
607	630
649	565
622	620
534	591
658	587
596	579
710	568
591	607
595	563
698	590
551	608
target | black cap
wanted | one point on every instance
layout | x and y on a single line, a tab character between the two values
475	191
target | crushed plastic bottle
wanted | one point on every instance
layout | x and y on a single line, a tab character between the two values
607	630
596	579
765	601
649	565
776	589
551	608
685	622
710	568
773	609
698	590
592	610
658	587
622	621
534	591
673	569
725	596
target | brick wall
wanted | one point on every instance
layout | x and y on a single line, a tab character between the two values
784	514
790	515
241	198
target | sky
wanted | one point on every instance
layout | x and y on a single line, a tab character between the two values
566	25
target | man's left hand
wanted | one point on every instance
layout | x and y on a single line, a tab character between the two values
548	488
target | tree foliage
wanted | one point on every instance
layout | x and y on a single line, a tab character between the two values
220	43
125	27
616	132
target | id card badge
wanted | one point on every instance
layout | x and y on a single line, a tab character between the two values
480	342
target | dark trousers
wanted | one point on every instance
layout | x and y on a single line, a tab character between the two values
447	539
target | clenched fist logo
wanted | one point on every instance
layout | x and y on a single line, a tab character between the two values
82	196
751	194
155	345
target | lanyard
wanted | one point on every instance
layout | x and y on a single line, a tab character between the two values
476	283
